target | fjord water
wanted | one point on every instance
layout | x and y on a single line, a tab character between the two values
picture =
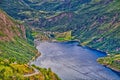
72	62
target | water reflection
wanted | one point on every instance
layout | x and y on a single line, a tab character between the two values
72	62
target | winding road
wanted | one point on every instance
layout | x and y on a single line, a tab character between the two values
32	74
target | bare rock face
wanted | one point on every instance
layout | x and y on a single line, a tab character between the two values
9	28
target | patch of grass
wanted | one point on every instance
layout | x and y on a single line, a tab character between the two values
111	61
65	36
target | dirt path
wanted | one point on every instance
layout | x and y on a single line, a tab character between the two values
32	74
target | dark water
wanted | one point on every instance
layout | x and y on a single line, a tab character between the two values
72	62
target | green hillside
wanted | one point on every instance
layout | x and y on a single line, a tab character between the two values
95	23
16	50
13	40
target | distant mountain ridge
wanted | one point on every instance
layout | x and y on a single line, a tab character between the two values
94	23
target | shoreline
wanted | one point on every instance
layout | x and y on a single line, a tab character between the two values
113	69
45	64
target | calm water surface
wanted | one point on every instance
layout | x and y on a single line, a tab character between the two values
72	62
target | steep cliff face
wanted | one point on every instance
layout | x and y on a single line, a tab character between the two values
10	29
13	41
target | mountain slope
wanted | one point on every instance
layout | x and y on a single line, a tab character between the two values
12	50
16	52
12	36
95	23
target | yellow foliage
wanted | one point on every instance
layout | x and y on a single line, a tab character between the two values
22	68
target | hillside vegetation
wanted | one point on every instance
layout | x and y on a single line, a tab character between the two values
111	61
95	23
16	50
13	40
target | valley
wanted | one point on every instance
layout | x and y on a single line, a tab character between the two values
93	23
